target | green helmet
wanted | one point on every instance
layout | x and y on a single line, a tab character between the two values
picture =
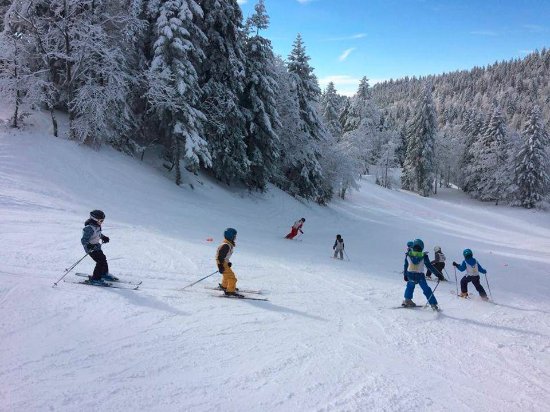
467	253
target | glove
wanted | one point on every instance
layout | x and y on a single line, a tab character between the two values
105	239
220	268
90	248
455	264
405	278
301	231
229	264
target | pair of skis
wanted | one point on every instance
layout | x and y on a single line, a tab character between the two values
416	307
134	285
116	284
242	294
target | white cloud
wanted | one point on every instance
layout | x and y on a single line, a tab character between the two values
525	51
535	28
242	1
484	33
346	54
352	37
304	1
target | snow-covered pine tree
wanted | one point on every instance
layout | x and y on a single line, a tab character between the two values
289	131
16	80
329	108
361	110
533	165
386	161
361	126
490	156
101	76
418	168
303	169
258	99
222	79
174	92
4	6
470	173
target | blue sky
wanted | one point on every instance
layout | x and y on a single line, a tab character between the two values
383	39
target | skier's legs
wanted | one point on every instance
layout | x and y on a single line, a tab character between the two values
101	266
293	232
479	288
427	291
409	289
439	266
464	284
335	253
341	254
230	279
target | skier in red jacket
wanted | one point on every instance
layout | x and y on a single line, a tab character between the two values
296	227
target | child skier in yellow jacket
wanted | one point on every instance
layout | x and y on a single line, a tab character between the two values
225	250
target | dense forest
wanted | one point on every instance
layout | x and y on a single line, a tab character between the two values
197	79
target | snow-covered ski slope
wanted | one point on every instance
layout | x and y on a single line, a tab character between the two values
327	340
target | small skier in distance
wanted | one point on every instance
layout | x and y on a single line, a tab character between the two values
472	268
438	263
338	247
91	241
296	227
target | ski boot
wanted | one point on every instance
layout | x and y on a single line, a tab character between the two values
233	294
463	295
96	282
408	303
485	298
220	287
435	307
109	278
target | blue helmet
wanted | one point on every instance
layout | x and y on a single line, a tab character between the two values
418	244
410	244
230	234
468	253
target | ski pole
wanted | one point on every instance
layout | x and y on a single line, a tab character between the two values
68	270
456	283
200	280
488	287
346	254
433	291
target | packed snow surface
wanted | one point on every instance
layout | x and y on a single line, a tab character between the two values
327	340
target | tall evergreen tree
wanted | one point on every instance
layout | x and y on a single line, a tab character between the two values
533	166
329	108
472	130
418	168
222	81
262	117
304	170
362	111
490	160
174	92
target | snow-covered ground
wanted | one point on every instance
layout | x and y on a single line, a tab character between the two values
327	340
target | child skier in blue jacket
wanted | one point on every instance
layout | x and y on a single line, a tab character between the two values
472	268
415	262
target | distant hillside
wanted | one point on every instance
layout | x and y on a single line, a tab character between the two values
515	86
